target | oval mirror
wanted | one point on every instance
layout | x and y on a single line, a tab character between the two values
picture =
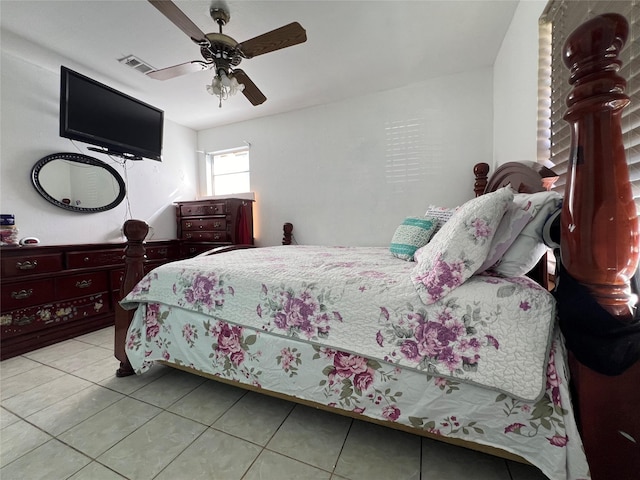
78	182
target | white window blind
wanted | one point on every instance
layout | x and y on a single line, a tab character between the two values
558	20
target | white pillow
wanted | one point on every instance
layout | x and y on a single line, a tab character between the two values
517	216
442	214
460	247
528	248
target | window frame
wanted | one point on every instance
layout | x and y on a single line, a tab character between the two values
210	176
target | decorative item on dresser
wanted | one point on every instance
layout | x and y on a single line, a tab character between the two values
52	293
205	224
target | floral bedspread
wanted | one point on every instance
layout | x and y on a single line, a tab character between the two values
493	332
543	432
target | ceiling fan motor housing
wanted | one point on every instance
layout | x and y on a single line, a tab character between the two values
222	49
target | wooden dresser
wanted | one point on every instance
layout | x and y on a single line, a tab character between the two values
52	293
206	224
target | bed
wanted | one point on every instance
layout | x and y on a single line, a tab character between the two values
448	345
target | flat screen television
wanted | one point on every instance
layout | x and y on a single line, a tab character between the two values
121	125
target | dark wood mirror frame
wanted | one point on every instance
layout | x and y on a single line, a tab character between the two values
78	158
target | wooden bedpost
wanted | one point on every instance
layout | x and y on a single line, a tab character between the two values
287	233
135	231
599	245
481	172
599	240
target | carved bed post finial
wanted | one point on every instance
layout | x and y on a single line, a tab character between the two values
599	244
287	229
480	170
135	231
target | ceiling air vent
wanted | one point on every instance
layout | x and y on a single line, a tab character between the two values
135	63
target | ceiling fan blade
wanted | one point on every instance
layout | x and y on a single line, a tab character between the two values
253	93
177	70
282	37
180	20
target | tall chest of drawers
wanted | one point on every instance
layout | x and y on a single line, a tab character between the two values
54	293
206	224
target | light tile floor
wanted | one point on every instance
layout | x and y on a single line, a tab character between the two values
64	415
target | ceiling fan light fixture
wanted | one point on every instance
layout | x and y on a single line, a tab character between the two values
226	81
224	85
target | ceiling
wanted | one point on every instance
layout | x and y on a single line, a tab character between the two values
353	48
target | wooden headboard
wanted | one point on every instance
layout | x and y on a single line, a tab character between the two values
524	177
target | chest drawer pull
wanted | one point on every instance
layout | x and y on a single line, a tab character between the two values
27	265
22	294
83	284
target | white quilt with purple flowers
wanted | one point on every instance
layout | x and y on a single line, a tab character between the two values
490	331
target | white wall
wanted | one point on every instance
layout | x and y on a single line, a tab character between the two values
329	169
29	131
515	92
326	169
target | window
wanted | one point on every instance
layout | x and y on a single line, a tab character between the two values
558	20
228	172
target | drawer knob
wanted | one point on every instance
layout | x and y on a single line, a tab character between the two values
27	265
22	294
83	284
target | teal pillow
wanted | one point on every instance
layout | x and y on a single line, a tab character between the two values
414	233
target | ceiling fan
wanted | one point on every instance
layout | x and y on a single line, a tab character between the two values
222	53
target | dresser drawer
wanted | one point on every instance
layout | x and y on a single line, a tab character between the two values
204	224
161	252
82	284
31	265
218	208
205	236
27	293
95	258
42	316
188	251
